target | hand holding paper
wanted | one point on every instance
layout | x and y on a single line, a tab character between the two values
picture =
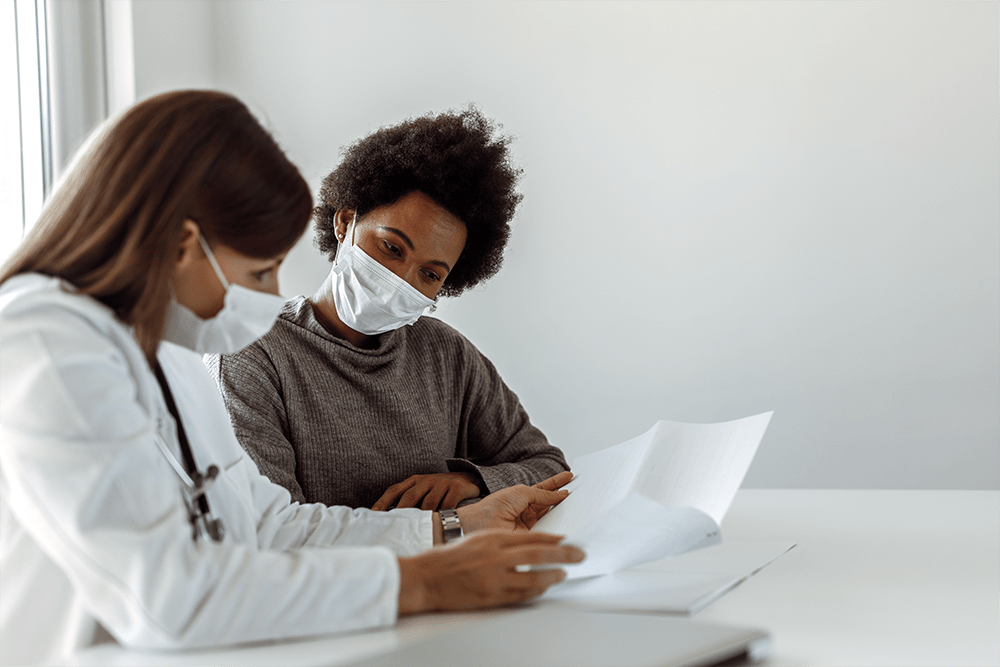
660	494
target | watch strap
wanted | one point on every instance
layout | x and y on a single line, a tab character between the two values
451	527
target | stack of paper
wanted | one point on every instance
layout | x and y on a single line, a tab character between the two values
682	584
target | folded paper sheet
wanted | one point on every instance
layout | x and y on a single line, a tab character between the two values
682	584
657	495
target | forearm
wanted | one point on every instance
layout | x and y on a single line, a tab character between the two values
438	528
527	471
504	448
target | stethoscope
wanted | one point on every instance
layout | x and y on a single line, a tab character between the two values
196	483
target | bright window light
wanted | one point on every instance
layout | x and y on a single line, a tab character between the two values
11	198
23	119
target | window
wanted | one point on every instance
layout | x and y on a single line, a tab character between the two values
26	163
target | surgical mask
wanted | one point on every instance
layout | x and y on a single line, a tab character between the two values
370	298
246	315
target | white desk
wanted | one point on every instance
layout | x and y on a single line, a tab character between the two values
878	578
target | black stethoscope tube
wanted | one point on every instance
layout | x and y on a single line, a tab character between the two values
201	520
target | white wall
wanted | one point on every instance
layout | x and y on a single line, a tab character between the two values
729	207
76	75
174	45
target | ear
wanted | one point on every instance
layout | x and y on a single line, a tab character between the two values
341	221
189	248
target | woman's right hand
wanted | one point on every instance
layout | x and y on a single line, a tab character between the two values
481	571
516	508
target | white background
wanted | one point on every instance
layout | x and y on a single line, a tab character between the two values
729	207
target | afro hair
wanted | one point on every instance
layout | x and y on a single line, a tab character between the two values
458	159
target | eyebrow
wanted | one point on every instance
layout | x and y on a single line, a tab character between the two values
409	243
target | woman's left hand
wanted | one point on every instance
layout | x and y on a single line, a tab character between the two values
516	508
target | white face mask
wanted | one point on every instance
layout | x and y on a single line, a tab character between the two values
246	315
370	298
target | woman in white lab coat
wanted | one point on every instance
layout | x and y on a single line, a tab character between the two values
128	510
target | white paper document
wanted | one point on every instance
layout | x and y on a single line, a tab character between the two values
682	584
657	495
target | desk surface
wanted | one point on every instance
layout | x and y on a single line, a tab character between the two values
878	578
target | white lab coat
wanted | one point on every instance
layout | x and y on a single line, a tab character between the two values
94	533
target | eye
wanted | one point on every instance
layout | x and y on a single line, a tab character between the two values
433	277
259	276
391	249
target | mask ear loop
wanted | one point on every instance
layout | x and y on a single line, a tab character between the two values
341	242
211	258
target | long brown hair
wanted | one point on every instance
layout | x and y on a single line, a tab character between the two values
113	228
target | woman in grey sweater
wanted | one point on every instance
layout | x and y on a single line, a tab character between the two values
354	398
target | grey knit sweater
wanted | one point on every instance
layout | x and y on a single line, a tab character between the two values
337	424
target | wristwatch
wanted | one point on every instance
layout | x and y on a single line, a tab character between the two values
451	527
